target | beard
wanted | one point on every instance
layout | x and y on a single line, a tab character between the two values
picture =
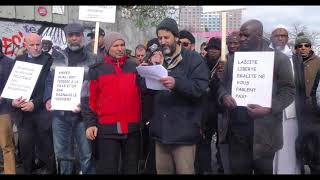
168	50
75	46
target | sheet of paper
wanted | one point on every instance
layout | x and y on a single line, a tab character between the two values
152	75
252	78
22	80
67	84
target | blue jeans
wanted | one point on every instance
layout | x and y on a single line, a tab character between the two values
64	129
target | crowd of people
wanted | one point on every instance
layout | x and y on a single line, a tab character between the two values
193	127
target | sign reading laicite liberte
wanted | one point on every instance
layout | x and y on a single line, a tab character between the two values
67	86
252	78
97	13
21	81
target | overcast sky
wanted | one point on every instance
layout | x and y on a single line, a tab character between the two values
271	16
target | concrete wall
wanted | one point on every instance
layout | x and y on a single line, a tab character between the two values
17	21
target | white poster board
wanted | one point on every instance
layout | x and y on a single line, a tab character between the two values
98	13
252	78
67	86
21	81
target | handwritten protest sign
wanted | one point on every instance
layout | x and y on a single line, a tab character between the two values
67	86
252	78
21	81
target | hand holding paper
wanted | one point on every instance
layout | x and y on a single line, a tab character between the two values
153	74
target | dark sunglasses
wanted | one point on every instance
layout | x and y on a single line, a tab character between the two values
185	44
305	45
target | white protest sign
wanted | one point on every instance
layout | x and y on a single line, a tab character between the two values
98	13
67	86
22	80
252	78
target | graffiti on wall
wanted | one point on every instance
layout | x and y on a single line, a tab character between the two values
13	35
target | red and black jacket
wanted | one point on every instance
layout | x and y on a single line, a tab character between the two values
114	103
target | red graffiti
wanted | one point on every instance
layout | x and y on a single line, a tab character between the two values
12	44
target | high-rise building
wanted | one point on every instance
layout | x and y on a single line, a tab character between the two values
190	18
211	21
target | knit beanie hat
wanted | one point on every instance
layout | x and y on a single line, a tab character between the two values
301	38
110	38
214	43
186	34
170	25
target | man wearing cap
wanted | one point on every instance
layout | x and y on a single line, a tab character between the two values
113	111
6	133
67	125
212	59
255	132
101	49
311	67
29	115
175	124
187	40
285	160
47	47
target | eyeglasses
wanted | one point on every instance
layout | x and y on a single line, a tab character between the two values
185	44
139	55
305	45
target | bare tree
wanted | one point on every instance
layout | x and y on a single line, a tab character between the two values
147	15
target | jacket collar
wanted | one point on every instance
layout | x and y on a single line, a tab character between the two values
118	62
176	58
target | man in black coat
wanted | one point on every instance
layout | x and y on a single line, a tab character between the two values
29	115
175	123
255	132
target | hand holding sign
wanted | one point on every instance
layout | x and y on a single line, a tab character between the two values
229	102
27	106
256	111
18	102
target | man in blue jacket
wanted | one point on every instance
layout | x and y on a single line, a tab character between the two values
175	124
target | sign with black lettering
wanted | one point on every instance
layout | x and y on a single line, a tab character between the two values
22	80
252	78
67	86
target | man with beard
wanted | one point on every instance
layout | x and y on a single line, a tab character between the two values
67	125
255	132
175	123
48	48
29	115
285	161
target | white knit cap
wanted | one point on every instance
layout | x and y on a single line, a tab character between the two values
48	38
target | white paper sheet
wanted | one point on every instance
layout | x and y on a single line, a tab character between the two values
252	78
67	84
152	75
22	80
